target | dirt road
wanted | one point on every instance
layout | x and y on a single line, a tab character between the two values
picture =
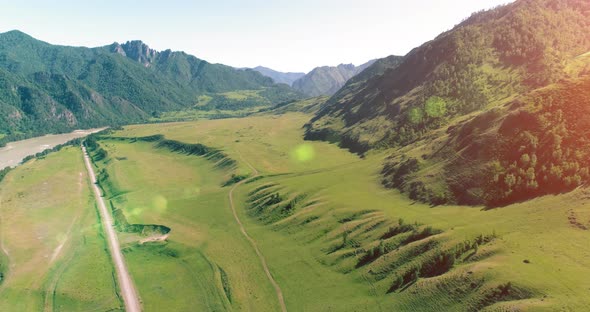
125	283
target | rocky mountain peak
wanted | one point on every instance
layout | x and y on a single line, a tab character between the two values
117	48
138	51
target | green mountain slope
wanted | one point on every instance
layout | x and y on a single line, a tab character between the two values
534	145
327	80
46	88
474	76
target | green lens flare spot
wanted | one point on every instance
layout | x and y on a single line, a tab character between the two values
304	153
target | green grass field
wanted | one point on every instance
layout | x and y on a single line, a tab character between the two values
54	254
308	195
185	194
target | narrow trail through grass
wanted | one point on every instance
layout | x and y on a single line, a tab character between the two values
274	283
50	290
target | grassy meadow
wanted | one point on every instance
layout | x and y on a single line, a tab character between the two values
537	258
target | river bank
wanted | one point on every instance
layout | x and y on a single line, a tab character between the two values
14	152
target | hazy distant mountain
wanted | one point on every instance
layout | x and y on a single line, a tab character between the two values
327	80
277	76
47	88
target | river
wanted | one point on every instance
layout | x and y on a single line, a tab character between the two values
14	152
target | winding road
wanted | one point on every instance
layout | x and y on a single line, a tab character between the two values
274	283
126	286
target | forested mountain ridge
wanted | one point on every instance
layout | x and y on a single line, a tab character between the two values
47	88
491	62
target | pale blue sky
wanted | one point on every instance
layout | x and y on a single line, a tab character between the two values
287	35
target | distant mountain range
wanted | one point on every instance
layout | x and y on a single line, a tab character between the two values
325	80
277	76
47	88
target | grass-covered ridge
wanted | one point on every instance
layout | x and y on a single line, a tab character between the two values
391	256
218	157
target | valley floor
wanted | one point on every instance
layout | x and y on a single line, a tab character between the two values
332	237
